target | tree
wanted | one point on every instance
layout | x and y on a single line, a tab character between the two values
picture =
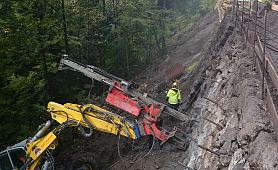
120	36
30	32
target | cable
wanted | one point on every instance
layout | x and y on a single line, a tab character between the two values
82	130
118	147
153	137
64	125
92	85
50	159
152	144
132	162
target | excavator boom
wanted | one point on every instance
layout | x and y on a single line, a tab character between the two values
92	116
120	92
89	116
123	96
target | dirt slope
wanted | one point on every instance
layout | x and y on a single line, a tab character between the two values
185	50
227	89
230	97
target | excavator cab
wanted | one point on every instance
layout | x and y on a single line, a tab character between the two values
13	157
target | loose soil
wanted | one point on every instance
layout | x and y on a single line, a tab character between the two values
223	86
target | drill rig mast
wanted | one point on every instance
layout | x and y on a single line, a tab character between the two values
123	96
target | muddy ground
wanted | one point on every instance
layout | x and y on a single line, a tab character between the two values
186	49
223	87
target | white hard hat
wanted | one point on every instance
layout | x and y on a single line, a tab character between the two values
174	84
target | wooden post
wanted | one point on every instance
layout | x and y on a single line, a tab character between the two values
233	10
242	16
236	8
65	27
255	32
264	54
249	18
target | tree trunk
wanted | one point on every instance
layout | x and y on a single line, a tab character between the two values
115	12
87	38
114	9
162	25
163	41
79	47
127	58
40	14
65	27
156	39
103	8
149	47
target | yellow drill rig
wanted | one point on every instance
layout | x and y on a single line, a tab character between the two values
35	153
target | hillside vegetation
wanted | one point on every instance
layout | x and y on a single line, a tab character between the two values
121	36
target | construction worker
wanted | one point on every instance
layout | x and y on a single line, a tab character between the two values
173	96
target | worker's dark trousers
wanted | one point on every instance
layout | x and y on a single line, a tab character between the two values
175	106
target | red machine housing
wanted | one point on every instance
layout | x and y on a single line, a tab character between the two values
152	112
117	97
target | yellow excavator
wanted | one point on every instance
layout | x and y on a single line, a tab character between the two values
35	153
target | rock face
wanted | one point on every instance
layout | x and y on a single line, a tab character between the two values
231	97
228	116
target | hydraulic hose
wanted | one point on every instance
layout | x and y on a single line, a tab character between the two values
40	133
82	130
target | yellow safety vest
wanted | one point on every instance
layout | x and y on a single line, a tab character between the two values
174	96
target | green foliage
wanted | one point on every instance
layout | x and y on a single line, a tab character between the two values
207	5
27	35
121	36
266	1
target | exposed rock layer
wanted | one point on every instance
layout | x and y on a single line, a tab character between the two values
231	98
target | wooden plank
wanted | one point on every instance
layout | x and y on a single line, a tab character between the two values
269	102
273	110
271	69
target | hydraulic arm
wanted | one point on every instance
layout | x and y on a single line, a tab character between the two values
123	96
93	117
84	117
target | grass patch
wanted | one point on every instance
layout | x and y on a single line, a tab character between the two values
191	68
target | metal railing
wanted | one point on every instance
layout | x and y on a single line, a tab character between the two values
256	35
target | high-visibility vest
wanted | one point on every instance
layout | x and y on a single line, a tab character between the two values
174	96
